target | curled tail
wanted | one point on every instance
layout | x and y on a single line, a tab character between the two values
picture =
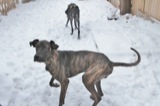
129	64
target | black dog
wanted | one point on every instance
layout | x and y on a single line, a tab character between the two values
73	12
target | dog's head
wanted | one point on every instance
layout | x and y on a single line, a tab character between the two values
70	7
43	49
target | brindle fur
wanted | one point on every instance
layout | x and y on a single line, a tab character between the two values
72	13
65	64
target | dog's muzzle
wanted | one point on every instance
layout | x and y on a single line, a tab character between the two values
38	59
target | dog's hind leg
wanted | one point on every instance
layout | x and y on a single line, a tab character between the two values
88	81
75	24
98	86
99	89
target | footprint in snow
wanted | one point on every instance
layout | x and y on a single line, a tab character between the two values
17	82
11	64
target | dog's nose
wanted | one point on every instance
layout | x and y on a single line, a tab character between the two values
36	58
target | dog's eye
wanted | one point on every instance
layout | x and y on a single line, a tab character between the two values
37	46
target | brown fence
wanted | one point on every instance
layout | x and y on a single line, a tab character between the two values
6	5
147	8
151	8
116	3
123	5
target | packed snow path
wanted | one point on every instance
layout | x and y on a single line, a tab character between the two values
25	83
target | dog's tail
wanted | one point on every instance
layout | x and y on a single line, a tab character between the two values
129	64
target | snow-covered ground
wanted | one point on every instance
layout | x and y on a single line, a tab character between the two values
25	83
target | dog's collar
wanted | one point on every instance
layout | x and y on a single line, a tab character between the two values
52	58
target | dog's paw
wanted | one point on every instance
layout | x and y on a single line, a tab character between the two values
92	97
54	85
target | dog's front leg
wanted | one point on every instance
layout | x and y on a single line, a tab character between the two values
67	22
64	86
53	84
71	26
78	29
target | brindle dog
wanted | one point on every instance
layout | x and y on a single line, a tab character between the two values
72	13
65	64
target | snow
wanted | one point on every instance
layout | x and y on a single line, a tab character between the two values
25	83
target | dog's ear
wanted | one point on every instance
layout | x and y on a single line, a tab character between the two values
34	42
53	45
